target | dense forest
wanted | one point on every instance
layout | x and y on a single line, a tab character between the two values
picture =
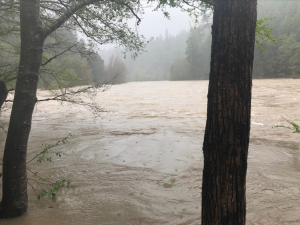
67	61
195	64
186	56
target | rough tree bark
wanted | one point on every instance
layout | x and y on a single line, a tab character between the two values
14	193
226	140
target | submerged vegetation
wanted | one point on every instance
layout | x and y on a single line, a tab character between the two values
41	185
47	187
293	126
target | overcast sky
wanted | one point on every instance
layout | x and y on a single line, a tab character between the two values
154	23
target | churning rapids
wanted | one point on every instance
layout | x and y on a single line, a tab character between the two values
141	162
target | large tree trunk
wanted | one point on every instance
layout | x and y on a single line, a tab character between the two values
227	130
14	194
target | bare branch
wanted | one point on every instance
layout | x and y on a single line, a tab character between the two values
40	183
39	176
62	96
54	57
85	32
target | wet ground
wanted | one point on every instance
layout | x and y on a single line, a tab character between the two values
141	162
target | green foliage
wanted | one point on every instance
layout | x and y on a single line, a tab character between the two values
78	65
198	53
9	53
281	60
72	62
264	34
295	127
196	9
48	187
278	30
51	192
45	153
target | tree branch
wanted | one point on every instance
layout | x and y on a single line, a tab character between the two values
39	176
54	57
85	32
132	11
67	15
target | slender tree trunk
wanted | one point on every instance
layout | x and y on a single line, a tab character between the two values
227	130
14	193
3	93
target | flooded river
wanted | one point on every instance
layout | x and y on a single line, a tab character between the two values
141	162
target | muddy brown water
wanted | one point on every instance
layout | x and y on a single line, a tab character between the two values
141	162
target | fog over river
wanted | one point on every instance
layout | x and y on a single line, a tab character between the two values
141	162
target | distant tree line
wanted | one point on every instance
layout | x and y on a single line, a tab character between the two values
186	56
195	64
115	71
153	64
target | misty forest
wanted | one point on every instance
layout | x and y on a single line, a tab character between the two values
149	112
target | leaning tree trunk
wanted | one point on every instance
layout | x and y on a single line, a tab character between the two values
227	130
14	194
